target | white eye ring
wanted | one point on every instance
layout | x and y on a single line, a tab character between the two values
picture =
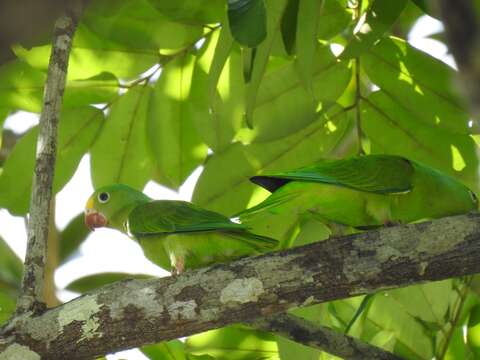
103	197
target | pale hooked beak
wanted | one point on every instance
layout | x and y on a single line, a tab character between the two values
93	218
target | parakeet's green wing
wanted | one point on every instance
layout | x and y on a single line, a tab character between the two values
375	173
166	217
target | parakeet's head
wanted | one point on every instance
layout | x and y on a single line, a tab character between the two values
111	204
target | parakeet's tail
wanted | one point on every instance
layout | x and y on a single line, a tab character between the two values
269	203
257	242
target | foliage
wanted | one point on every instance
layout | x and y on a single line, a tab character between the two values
259	84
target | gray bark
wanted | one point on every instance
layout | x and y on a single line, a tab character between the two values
136	312
322	338
31	298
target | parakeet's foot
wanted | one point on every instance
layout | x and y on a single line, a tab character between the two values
390	223
178	267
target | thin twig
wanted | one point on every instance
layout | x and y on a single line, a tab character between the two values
457	311
322	338
31	297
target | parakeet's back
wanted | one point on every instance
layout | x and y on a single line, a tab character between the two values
192	237
364	191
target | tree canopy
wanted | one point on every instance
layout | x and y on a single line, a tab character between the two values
156	89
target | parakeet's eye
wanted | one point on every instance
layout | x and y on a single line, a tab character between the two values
103	197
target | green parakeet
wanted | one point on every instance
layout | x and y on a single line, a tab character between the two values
176	233
362	192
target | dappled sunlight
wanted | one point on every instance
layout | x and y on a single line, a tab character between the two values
458	162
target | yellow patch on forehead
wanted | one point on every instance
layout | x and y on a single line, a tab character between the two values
90	203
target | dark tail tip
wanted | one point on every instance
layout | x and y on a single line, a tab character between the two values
269	183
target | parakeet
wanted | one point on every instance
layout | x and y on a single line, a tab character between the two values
363	192
176	233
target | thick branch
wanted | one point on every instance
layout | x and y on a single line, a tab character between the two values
463	36
322	338
34	270
132	313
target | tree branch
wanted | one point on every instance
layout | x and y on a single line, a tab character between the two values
463	37
37	232
322	338
132	313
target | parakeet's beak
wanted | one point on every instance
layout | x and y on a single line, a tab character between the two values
93	218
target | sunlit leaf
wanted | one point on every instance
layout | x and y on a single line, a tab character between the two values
306	40
230	191
7	306
379	18
172	137
473	330
191	11
233	343
21	87
138	25
171	350
92	55
395	129
120	153
10	266
72	236
335	17
77	130
95	90
247	20
217	112
405	75
262	54
283	106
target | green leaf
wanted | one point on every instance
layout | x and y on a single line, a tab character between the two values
21	86
283	105
473	330
428	302
171	350
262	55
456	346
7	306
77	130
95	90
405	74
221	54
289	349
306	40
72	236
172	137
334	19
394	129
413	342
229	191
247	19
10	266
92	55
288	26
233	343
217	113
139	25
379	18
191	11
95	281
120	153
